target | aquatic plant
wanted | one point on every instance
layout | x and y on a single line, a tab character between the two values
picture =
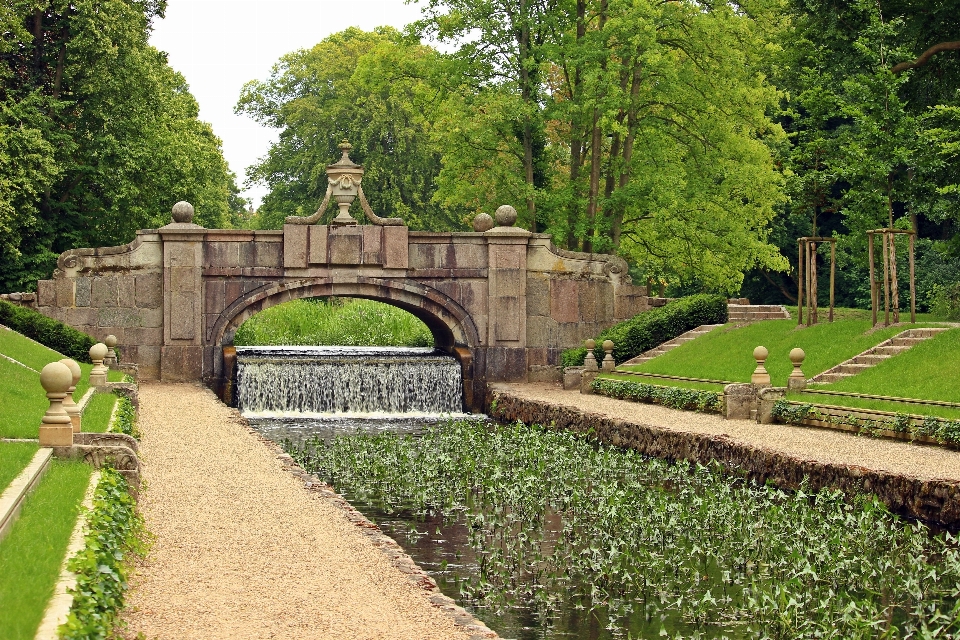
557	521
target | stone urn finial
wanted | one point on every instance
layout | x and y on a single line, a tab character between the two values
760	375
505	215
69	405
797	380
590	360
56	429
183	212
608	362
98	375
482	222
344	178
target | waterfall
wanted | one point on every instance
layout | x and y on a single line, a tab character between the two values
347	381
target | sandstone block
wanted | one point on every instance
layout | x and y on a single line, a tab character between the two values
181	363
183	318
538	296
118	317
372	236
564	298
542	331
505	317
506	364
396	241
508	283
222	254
65	292
317	240
469	256
182	254
265	254
149	291
295	246
345	245
508	256
83	289
46	294
184	279
213	296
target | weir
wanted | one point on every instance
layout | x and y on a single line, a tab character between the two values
351	381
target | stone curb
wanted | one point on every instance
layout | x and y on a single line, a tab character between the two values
393	551
59	606
13	495
934	501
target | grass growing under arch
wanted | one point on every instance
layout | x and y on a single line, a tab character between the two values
334	321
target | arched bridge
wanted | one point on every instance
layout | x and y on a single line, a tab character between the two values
505	302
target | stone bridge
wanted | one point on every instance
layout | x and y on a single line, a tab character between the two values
504	302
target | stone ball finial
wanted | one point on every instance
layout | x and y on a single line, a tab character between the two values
760	376
74	370
110	341
56	378
505	215
183	212
98	351
590	344
796	356
482	222
608	345
760	354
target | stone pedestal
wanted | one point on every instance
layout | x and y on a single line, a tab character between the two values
507	313
586	380
740	400
181	356
56	429
571	377
765	401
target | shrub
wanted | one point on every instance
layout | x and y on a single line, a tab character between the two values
651	328
673	397
47	331
945	301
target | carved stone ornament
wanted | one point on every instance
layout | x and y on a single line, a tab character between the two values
343	184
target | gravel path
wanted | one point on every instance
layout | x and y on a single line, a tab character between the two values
823	445
242	550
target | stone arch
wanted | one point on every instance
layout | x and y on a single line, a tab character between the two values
454	331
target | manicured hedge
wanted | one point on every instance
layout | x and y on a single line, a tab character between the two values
47	331
673	397
646	330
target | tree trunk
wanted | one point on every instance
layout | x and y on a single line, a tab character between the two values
576	136
596	142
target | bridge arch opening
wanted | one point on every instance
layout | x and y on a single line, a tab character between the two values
452	328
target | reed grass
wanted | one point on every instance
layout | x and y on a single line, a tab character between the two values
334	321
32	553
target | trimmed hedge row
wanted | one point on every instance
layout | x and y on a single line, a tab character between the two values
673	397
47	331
648	329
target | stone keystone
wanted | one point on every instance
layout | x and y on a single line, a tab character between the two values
56	429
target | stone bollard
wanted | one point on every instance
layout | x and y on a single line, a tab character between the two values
590	360
111	360
71	407
797	380
765	401
98	375
56	429
740	400
608	363
760	376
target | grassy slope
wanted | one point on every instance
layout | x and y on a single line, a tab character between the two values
22	399
665	382
14	457
96	415
31	555
318	322
726	353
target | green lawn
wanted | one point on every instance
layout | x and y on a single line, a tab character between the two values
22	399
930	370
726	353
96	415
31	555
14	457
845	313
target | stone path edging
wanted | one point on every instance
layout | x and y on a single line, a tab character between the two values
59	606
387	545
13	495
930	500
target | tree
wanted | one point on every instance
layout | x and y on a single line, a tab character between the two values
101	134
372	88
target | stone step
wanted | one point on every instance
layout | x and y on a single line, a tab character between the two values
852	369
905	342
832	377
869	359
928	332
886	350
756	315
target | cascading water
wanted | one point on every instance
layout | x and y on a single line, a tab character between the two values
292	392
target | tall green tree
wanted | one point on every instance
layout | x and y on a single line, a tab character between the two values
101	134
372	88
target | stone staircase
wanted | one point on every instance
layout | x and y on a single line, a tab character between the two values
693	334
753	312
875	355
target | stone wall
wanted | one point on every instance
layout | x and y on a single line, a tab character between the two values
932	501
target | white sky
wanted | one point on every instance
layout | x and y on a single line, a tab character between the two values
219	45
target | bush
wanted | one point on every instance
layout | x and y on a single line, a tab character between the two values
651	328
47	331
673	397
945	301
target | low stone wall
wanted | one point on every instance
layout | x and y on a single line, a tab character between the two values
932	501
